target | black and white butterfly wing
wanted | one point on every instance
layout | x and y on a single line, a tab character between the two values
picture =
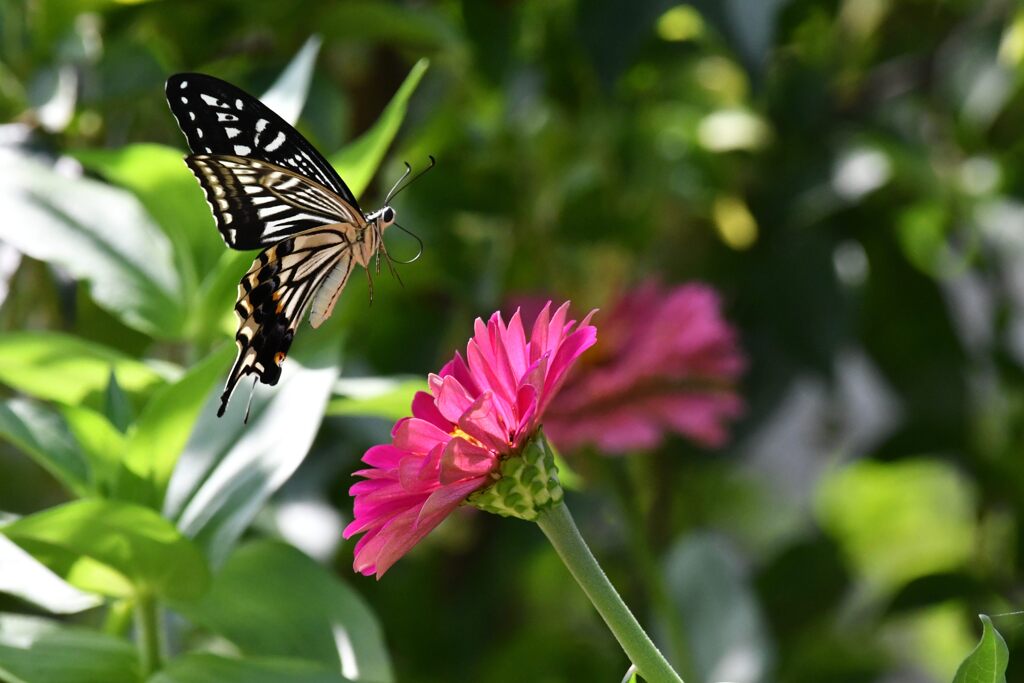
218	118
273	295
256	203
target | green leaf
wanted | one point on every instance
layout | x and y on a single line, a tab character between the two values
287	95
387	397
30	580
100	442
159	435
157	175
98	233
133	541
988	660
44	436
214	317
898	521
118	408
69	655
230	469
271	600
207	668
66	369
358	161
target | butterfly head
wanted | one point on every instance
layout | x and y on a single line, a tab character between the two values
381	219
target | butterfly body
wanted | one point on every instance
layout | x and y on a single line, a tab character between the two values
269	189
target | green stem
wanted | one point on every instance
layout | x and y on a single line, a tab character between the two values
558	525
147	623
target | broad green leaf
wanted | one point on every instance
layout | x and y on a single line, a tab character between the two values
208	668
358	161
724	627
30	580
70	655
133	541
98	233
987	662
101	443
159	435
157	175
229	469
271	600
66	369
898	521
287	96
44	436
214	318
386	397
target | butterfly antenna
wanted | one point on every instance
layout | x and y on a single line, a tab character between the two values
394	188
394	192
248	405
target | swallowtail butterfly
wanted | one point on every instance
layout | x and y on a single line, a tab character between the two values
269	188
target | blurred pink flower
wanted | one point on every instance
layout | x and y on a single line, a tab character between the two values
667	361
478	410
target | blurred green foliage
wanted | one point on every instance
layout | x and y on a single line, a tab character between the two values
845	172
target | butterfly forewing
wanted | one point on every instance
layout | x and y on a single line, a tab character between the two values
256	203
275	293
218	118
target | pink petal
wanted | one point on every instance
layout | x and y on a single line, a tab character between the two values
452	399
482	423
423	407
463	460
418	436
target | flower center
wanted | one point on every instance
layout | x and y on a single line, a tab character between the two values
458	433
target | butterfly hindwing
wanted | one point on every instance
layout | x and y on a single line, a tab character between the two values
218	118
257	203
277	289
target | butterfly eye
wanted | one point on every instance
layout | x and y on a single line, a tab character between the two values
389	215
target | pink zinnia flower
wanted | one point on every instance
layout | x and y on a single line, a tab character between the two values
479	411
667	361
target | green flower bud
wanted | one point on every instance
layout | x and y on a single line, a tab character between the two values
528	484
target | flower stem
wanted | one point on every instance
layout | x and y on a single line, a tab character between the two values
558	525
147	623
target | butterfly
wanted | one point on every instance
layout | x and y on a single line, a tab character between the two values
269	189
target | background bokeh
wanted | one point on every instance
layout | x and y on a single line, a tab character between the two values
846	174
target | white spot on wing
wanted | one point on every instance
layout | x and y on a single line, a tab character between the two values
184	84
242	150
232	132
276	142
184	100
260	125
